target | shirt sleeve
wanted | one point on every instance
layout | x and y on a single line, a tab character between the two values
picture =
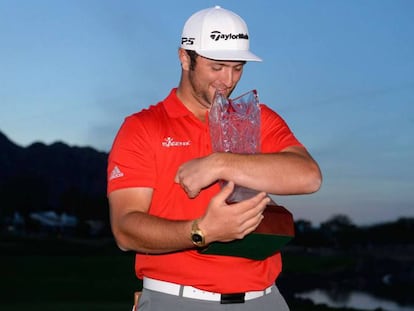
275	133
131	159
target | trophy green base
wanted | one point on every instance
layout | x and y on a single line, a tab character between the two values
274	232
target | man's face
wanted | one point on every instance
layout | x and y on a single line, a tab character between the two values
210	75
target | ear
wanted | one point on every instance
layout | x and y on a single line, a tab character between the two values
184	59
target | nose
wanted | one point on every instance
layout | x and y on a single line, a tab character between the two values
227	77
224	80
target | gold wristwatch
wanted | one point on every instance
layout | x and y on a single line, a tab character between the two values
197	236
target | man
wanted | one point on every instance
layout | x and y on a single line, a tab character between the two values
165	201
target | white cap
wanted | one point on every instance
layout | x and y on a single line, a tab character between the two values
218	34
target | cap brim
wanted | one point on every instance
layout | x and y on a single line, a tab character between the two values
229	55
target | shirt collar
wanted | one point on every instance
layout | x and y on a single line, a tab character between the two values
174	107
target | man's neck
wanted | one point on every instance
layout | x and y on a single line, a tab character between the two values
192	104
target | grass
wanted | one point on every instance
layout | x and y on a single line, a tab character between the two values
46	275
57	274
66	277
312	263
65	306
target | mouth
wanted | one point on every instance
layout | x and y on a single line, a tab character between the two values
224	91
220	87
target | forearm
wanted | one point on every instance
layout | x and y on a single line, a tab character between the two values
277	173
144	233
134	229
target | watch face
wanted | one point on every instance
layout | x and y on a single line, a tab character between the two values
197	238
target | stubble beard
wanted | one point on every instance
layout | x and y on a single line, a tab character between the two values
202	96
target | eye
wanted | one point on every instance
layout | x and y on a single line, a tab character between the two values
217	67
238	68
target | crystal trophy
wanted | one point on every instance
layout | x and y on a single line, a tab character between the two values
235	127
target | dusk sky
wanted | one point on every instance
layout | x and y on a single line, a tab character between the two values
340	72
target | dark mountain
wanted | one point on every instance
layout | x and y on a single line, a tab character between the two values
56	176
9	153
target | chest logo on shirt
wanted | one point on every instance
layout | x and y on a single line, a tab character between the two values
170	142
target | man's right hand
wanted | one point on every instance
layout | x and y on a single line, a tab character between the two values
226	222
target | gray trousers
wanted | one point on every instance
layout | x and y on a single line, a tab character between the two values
155	301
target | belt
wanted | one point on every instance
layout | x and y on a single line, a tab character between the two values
195	293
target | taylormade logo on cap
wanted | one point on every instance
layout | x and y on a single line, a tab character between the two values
219	34
216	35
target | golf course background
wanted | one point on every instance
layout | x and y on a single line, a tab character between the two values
71	274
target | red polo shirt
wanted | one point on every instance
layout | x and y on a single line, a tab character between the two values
147	151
